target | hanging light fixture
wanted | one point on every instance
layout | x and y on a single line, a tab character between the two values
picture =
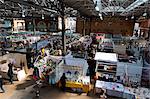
100	15
52	15
132	17
145	13
23	13
97	8
126	18
43	17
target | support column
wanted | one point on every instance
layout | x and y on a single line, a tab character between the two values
34	32
63	29
148	33
90	24
34	26
84	20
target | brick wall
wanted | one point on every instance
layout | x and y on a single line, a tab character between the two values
108	25
144	27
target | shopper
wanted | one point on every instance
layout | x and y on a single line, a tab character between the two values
63	82
1	83
10	72
52	77
36	74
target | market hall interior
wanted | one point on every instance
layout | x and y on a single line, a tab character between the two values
74	49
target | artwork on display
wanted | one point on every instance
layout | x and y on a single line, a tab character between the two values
72	72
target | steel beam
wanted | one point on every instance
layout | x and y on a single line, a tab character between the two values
134	5
43	3
32	5
122	5
36	2
2	1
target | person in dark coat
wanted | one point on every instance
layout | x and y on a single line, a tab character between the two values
10	72
1	83
63	82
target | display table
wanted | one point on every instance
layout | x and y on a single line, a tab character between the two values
74	84
113	89
83	84
77	85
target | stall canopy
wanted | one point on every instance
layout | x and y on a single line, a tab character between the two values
106	57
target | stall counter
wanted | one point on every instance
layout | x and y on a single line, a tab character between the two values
77	85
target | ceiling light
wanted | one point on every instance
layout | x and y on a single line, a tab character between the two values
23	15
126	18
52	15
132	17
97	8
43	16
100	14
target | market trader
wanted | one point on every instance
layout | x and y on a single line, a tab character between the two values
1	83
63	82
